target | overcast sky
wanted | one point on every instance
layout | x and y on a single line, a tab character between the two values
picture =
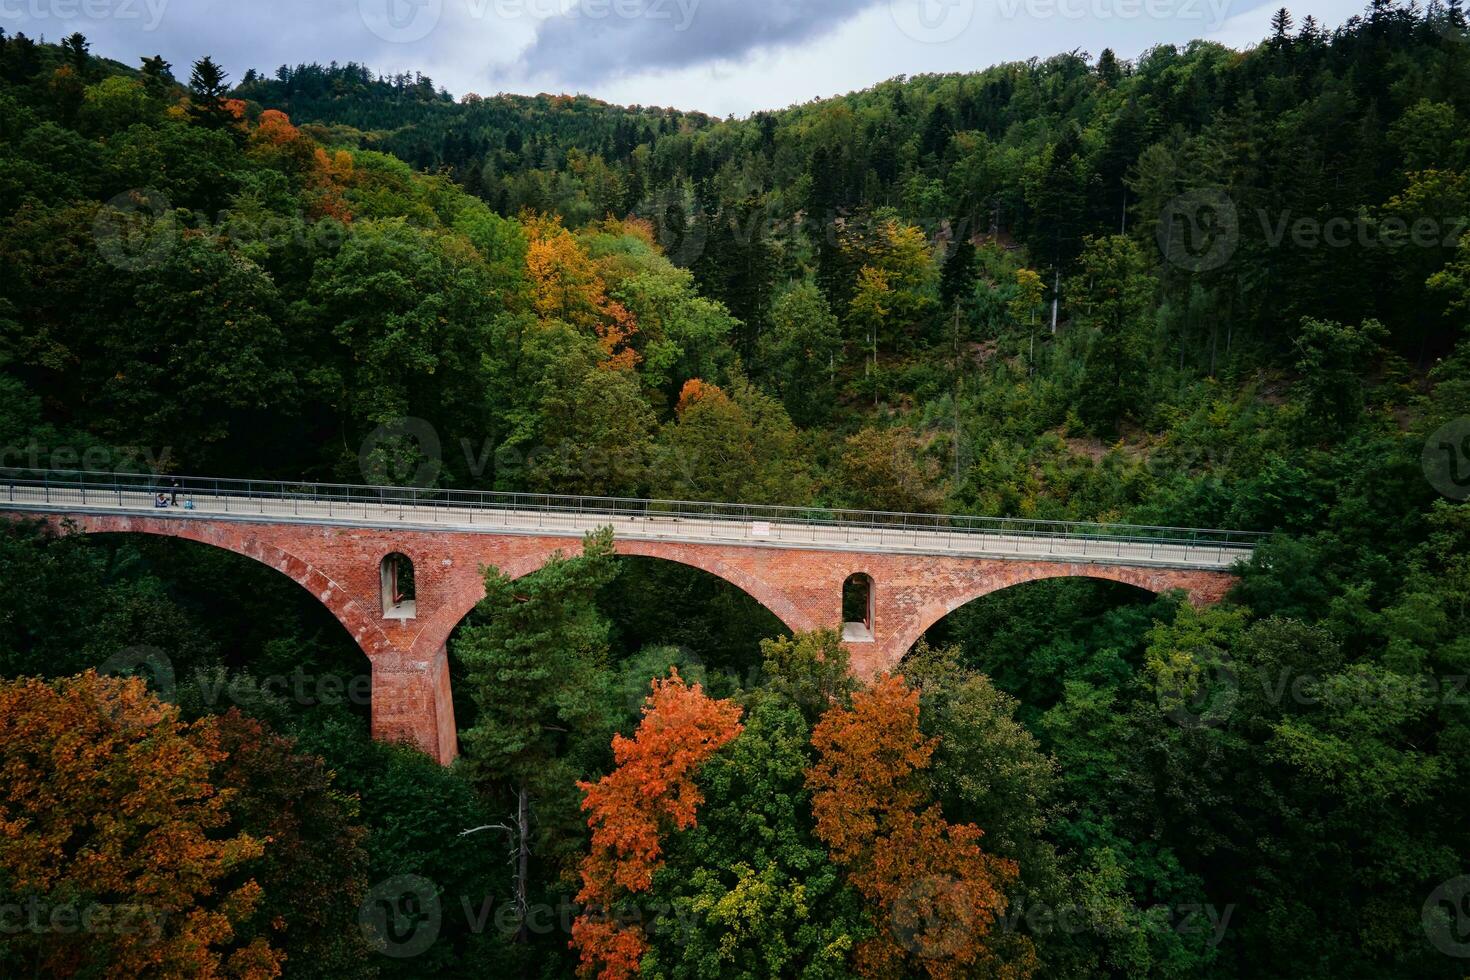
719	56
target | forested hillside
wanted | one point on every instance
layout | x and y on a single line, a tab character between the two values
1205	288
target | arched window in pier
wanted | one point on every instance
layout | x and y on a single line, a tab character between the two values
857	608
396	575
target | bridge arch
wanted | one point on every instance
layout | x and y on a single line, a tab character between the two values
354	617
945	600
764	593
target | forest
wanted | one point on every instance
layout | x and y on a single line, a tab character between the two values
1202	288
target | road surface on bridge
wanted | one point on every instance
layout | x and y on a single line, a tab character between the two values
891	533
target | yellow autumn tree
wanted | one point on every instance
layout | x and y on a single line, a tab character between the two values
567	286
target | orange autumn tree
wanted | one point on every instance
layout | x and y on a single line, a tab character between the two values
935	894
107	811
696	391
566	285
278	143
650	792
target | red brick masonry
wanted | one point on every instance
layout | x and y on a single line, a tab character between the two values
410	673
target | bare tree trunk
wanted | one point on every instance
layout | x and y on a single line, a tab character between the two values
959	387
873	336
1056	295
523	860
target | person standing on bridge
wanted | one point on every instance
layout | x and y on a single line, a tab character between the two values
174	499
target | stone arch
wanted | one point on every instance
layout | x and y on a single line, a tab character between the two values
859	608
702	557
348	611
396	586
1202	588
707	558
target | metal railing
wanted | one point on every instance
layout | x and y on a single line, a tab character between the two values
340	500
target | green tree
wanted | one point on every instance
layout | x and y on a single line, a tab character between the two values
208	91
885	469
1331	359
1111	296
313	873
801	351
738	447
534	653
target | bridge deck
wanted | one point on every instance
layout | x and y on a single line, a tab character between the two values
1161	547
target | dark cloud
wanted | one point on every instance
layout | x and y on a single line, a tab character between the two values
603	39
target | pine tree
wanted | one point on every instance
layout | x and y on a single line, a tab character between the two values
534	652
157	76
207	90
76	47
1281	24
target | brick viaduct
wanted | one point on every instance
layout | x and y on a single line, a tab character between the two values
803	587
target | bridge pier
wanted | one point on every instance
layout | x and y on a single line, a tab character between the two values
412	702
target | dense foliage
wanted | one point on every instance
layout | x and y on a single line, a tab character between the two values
1202	288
